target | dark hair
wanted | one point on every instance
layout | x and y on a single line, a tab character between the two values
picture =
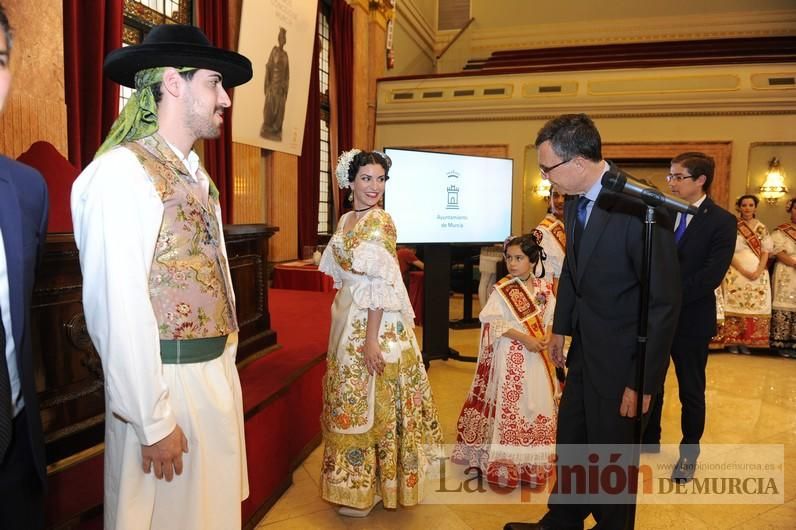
530	244
6	27
572	135
363	158
742	197
156	92
697	164
790	204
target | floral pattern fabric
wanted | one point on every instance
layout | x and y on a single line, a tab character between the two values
747	303
783	315
187	285
507	425
380	432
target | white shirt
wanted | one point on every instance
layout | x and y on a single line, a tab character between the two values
18	402
593	193
690	217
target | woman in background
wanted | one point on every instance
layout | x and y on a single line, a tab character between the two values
507	426
783	306
554	236
380	425
747	289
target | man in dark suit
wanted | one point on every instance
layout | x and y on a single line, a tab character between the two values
705	245
598	306
23	228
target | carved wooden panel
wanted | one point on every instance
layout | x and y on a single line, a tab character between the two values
68	371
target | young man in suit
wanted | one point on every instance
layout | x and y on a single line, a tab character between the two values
705	245
23	230
598	306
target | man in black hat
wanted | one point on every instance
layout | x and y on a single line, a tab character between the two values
157	291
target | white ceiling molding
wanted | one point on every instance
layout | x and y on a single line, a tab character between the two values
676	91
627	30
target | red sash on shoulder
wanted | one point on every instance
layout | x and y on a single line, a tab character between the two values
750	237
556	228
789	230
514	292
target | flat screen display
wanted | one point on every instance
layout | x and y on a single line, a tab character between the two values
449	198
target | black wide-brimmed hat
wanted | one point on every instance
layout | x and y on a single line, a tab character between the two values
176	45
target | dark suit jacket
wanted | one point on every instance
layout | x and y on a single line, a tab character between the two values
705	253
599	293
23	220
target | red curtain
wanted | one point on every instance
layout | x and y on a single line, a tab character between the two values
309	164
92	28
213	19
342	36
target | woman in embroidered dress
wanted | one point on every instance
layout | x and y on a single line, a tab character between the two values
747	289
554	235
783	306
380	425
507	426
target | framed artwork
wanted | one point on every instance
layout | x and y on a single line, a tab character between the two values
270	110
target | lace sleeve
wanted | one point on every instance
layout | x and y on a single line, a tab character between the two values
382	286
493	313
328	266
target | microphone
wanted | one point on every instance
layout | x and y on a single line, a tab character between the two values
617	180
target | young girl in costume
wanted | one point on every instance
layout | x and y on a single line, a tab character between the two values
507	426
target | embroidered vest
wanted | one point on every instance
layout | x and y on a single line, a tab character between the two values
188	287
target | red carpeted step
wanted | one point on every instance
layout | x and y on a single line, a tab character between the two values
301	320
282	396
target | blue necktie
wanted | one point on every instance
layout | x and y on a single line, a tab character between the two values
681	226
6	411
580	221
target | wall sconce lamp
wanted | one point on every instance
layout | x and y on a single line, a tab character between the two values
774	186
542	190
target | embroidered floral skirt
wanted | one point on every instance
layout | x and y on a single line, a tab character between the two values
507	425
783	329
747	330
401	431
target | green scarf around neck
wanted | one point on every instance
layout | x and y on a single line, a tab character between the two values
139	117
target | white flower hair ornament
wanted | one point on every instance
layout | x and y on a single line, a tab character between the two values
343	166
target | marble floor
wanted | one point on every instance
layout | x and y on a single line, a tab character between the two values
751	404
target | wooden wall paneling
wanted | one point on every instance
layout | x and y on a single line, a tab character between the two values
495	151
36	107
377	39
362	77
281	177
249	185
720	151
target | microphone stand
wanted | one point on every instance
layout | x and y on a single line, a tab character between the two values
641	357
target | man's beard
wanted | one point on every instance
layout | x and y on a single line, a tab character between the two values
204	128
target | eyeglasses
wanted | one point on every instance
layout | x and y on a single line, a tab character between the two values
546	170
678	178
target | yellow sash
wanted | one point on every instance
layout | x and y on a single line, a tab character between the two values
750	237
514	292
556	228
